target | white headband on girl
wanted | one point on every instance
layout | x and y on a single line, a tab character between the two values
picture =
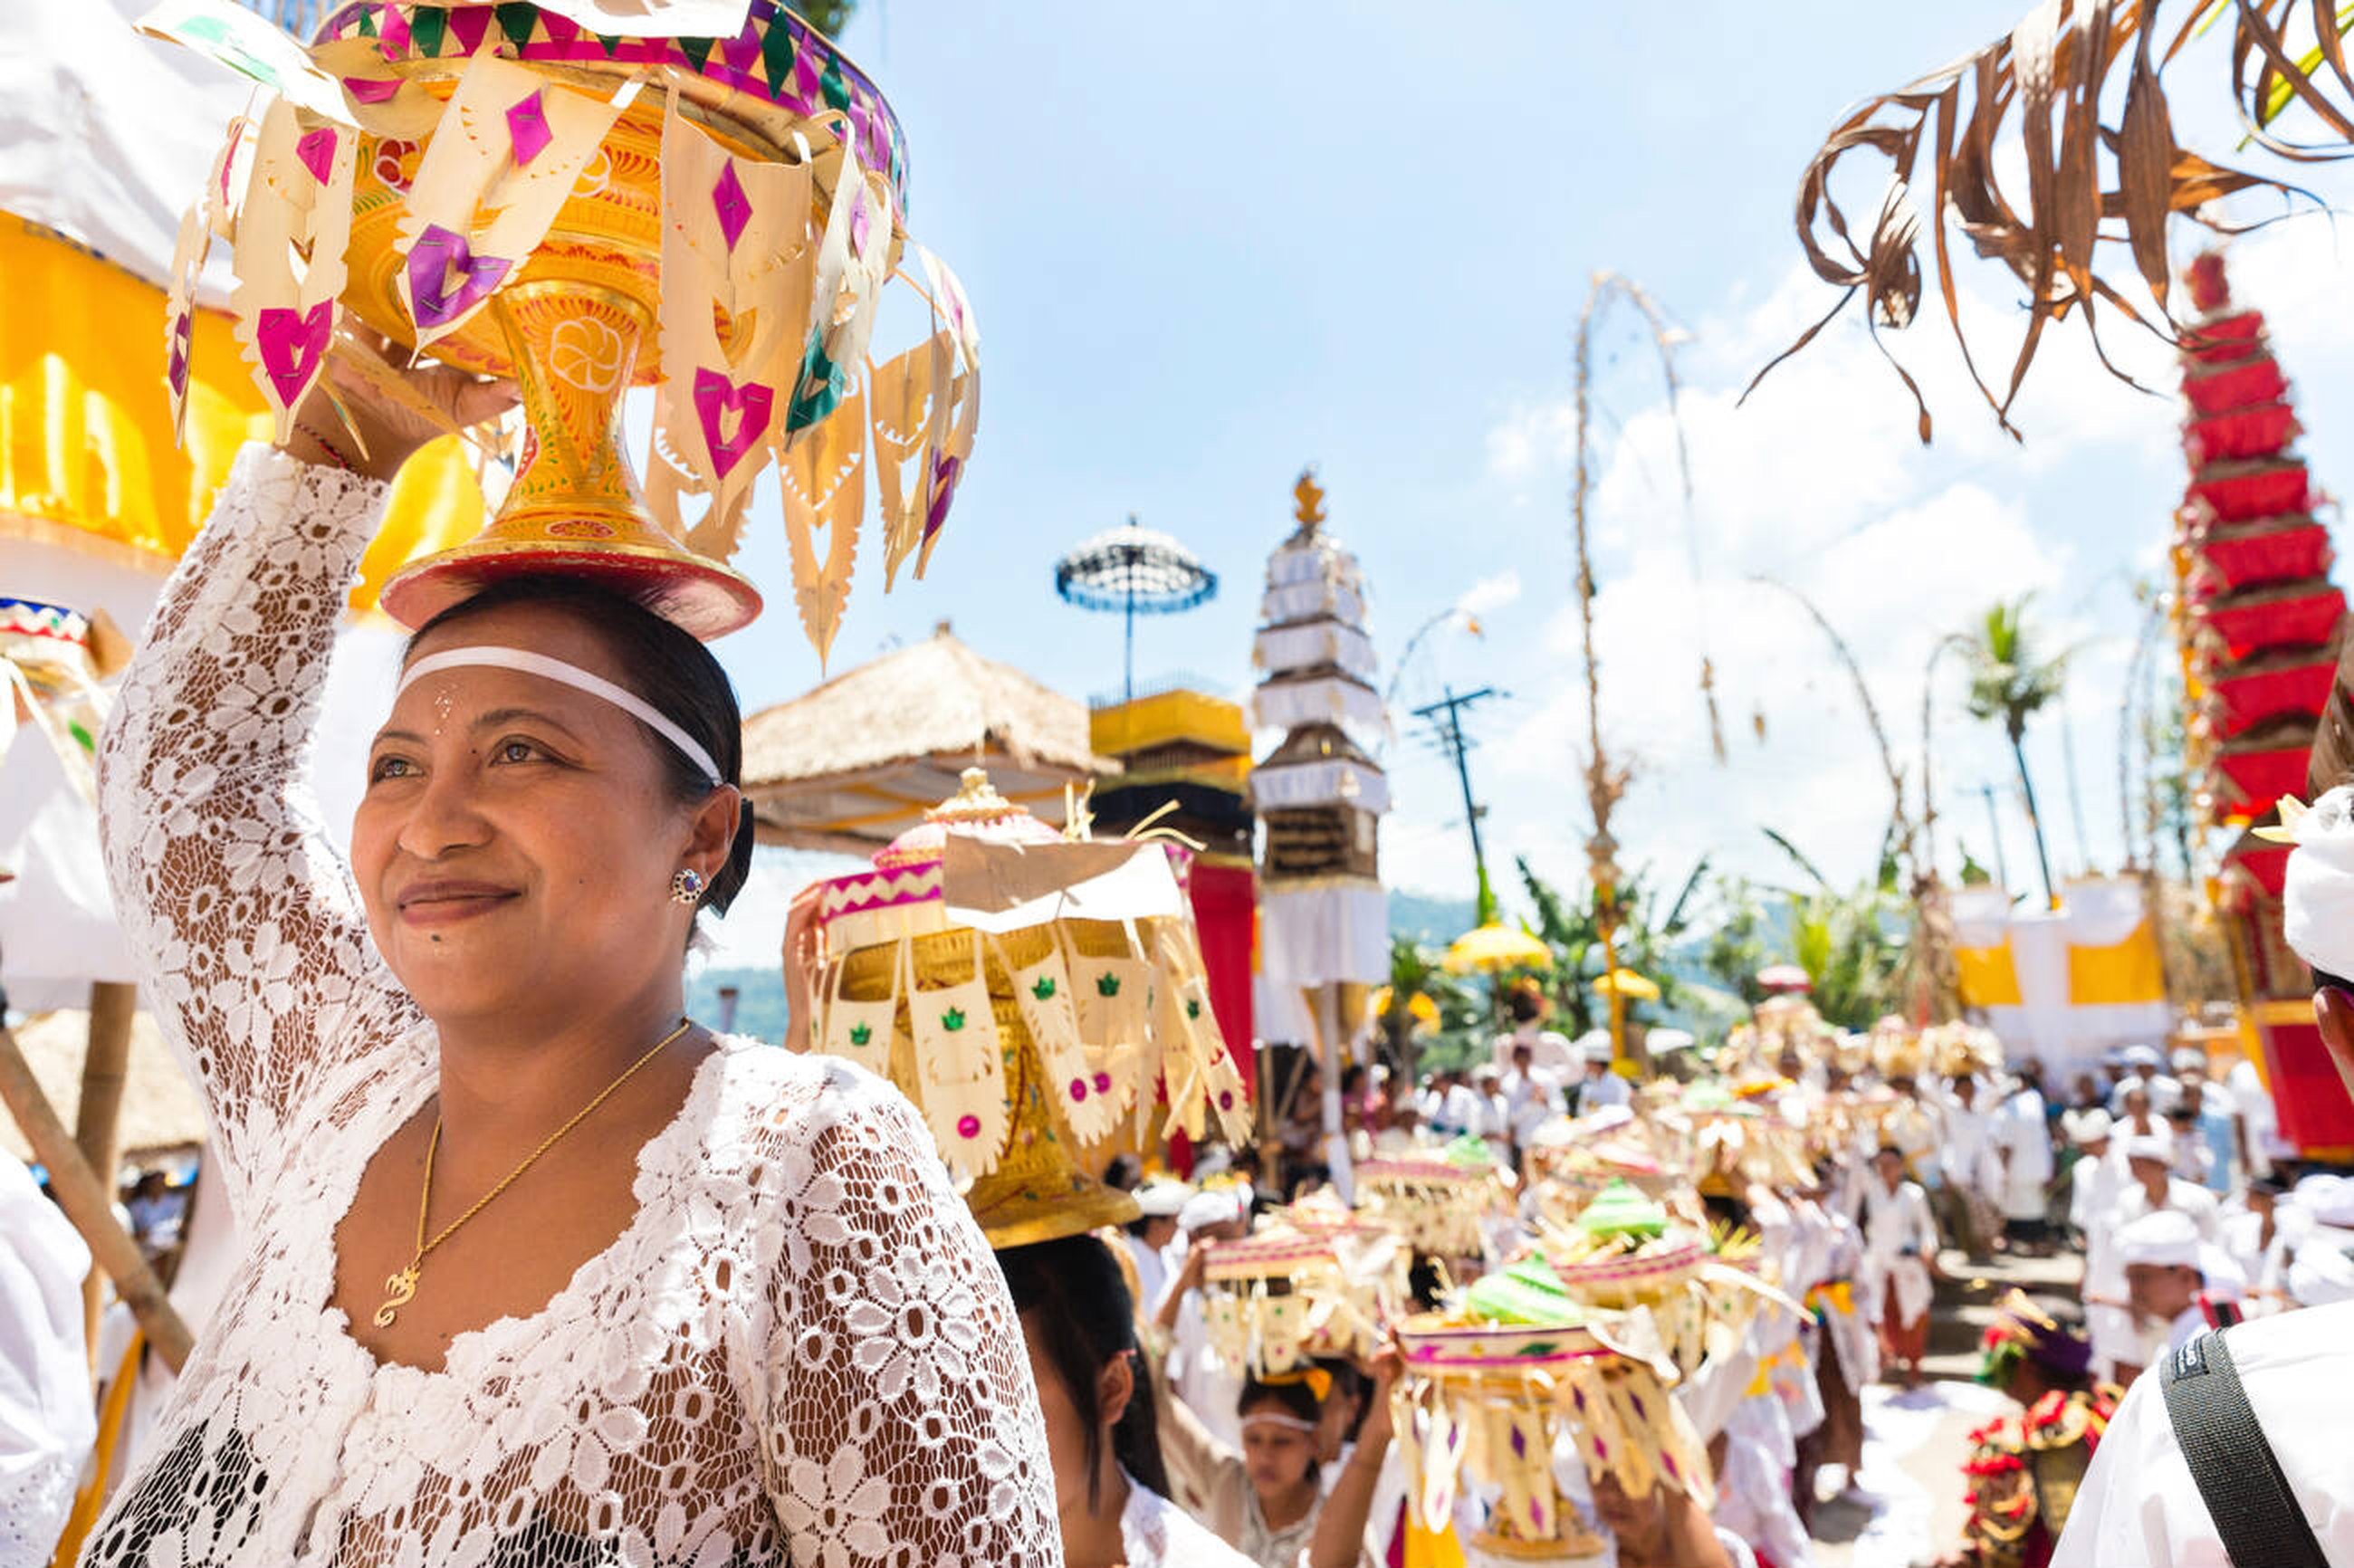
492	656
1269	1418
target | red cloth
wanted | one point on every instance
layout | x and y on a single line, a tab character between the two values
2240	702
2265	862
1225	898
2315	1113
2255	780
1901	1342
2229	561
2252	432
2255	493
2304	620
2238	386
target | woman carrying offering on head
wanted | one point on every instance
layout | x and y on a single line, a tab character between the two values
538	1270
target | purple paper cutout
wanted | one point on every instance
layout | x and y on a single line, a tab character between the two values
392	29
946	472
735	208
528	128
290	343
860	224
370	89
317	151
446	279
753	403
183	328
742	51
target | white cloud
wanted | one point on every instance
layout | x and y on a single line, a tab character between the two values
1491	593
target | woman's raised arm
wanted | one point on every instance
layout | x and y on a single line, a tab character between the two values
253	948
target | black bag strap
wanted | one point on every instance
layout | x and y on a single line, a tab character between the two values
2238	1474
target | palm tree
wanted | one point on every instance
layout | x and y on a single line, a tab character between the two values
2008	684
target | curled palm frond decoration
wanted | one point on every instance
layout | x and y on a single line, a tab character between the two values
2089	183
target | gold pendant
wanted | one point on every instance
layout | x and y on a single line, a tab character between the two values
398	1291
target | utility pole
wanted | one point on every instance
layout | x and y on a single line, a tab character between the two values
1449	732
1993	826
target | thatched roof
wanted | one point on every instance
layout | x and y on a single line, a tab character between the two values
854	762
161	1110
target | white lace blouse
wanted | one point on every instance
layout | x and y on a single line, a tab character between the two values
800	1351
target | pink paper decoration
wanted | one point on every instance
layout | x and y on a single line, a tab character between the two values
528	128
753	403
735	208
290	343
317	151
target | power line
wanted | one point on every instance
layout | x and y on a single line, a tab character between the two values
1447	732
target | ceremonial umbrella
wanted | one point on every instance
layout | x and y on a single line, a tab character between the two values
1494	946
1137	571
1628	984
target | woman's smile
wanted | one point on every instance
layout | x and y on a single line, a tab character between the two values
447	901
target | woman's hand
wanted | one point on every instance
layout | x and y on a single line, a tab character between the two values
1385	1369
392	409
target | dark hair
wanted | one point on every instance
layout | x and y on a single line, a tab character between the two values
1125	1173
663	664
1890	1149
1352	1075
1072	1291
1526	1003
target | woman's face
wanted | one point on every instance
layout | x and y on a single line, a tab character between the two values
1275	1453
516	837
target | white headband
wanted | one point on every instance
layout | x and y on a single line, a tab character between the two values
1269	1418
495	657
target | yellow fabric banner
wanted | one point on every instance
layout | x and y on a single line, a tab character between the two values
1987	976
2127	973
87	459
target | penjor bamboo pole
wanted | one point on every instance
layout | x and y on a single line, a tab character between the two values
97	1118
89	1205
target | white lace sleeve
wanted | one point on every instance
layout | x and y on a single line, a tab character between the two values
902	1424
253	947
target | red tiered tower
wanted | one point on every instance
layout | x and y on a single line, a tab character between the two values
2259	623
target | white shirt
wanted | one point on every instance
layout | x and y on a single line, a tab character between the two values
2138	1504
1531	1098
47	1420
1156	1533
1154	1267
1459	1111
1610	1089
2021	1129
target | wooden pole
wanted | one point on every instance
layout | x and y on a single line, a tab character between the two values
98	1119
89	1205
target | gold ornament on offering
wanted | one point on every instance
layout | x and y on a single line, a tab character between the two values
517	194
1034	995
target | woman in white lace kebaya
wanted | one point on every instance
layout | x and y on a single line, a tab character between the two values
733	1314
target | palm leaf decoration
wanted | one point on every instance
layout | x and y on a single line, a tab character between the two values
2090	185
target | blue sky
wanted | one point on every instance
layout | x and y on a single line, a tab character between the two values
1209	247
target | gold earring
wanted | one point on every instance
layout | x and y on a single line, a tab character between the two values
688	886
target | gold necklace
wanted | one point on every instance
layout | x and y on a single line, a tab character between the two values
401	1287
